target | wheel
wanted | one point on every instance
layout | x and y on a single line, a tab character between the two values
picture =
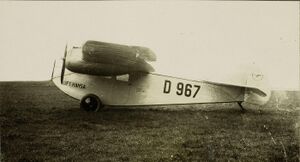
91	102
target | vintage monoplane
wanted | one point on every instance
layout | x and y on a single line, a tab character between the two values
100	73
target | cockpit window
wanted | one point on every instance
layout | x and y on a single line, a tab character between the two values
124	77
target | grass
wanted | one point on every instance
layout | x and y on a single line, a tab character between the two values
40	123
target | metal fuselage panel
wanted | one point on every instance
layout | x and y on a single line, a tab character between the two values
146	89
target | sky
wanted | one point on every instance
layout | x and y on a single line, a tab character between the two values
194	40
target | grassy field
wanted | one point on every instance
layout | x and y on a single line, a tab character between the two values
41	123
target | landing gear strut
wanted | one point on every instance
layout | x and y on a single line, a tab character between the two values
91	102
241	106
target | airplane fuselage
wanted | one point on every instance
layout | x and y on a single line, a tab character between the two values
146	89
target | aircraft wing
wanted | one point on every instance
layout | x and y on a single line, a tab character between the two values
106	59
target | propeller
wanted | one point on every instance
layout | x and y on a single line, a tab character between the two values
63	65
53	69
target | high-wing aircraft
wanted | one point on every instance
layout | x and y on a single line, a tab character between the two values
100	73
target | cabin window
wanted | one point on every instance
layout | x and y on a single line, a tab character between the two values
124	77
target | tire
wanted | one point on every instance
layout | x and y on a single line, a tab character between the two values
91	103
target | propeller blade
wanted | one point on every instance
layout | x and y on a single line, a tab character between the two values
64	64
66	51
53	69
